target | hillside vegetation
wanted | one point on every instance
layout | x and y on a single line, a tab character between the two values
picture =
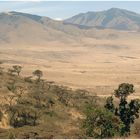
35	108
31	107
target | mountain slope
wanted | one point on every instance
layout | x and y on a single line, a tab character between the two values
26	29
113	18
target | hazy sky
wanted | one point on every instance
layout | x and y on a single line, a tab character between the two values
65	9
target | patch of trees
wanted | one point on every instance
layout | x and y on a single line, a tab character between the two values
22	115
26	104
115	118
126	110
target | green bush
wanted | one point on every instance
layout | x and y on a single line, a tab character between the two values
101	123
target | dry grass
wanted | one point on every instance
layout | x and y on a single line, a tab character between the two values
96	64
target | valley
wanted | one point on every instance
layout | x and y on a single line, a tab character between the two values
97	65
72	78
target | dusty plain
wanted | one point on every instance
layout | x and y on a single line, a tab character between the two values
95	64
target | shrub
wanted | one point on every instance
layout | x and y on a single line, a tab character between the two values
101	123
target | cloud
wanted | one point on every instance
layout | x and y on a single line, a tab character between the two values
58	19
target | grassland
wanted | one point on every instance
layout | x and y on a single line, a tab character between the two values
54	111
96	64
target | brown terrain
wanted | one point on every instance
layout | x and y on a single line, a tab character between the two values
93	59
71	56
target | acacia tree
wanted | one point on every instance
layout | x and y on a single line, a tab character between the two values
127	111
38	74
17	69
124	90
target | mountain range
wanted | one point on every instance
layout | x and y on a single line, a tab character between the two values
23	28
113	18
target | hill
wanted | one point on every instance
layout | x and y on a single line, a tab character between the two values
20	28
26	29
113	18
34	108
40	109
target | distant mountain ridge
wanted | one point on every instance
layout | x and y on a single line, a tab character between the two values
113	18
28	29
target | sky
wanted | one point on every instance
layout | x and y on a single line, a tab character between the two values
64	9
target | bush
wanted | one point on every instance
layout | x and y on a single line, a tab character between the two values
21	115
101	123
